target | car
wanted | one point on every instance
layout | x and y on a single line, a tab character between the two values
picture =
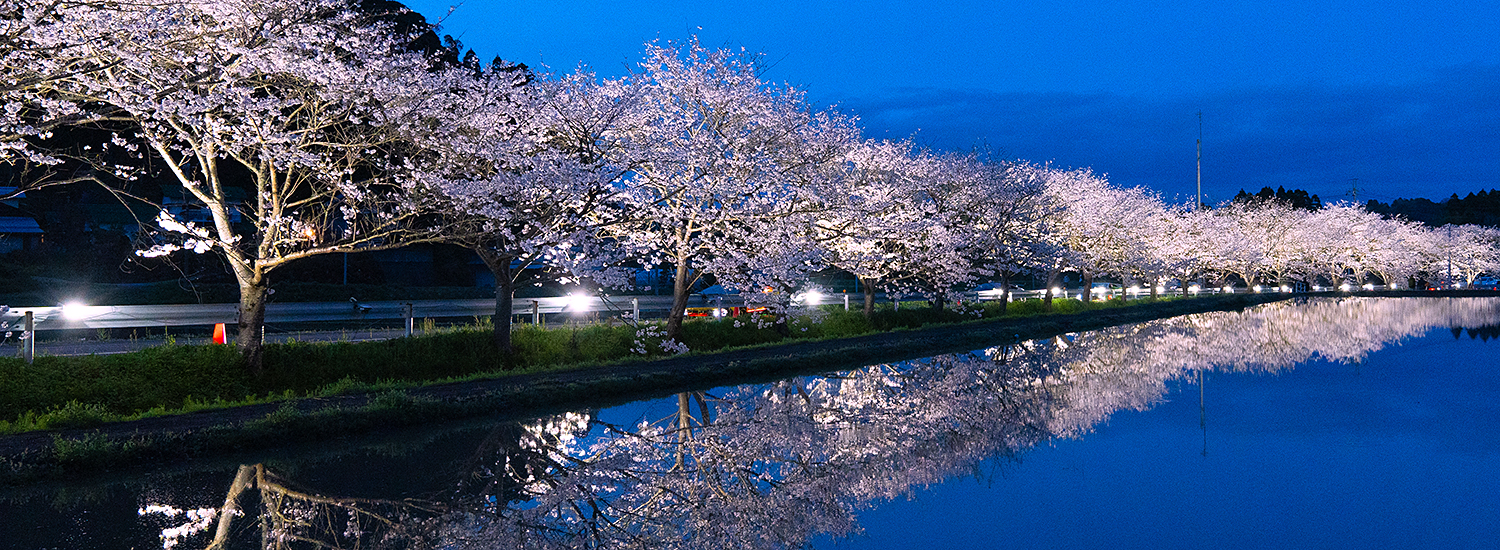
1440	283
1105	291
1486	283
991	291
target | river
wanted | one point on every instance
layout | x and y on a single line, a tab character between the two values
1319	423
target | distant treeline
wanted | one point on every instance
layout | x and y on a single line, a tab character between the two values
1482	208
1295	198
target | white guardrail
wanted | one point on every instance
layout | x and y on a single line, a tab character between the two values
104	317
101	317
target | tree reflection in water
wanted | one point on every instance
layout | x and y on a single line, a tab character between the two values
771	466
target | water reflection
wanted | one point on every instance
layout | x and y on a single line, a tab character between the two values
771	466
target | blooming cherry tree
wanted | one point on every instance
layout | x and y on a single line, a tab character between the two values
533	175
306	107
724	174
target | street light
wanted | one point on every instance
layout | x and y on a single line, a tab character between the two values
812	297
75	310
577	302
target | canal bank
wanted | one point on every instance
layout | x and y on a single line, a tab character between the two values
190	437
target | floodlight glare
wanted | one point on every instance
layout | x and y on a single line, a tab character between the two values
577	302
74	310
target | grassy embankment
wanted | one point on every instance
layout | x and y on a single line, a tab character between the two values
82	391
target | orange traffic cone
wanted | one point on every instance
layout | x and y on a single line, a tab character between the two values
219	334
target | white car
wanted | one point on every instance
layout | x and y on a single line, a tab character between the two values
991	291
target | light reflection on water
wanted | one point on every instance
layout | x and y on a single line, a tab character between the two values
1349	444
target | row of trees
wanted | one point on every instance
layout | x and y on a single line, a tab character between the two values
347	136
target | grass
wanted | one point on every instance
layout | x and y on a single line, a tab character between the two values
82	391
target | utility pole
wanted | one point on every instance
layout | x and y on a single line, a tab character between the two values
1449	281
1199	204
1354	189
1202	411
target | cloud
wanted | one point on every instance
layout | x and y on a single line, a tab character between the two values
1431	137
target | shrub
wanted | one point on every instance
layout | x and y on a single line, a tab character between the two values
122	384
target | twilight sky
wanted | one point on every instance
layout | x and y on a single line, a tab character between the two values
1404	96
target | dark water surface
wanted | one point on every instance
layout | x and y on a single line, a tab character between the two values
1352	423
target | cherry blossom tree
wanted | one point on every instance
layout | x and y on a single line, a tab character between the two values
308	107
993	215
874	208
1105	228
1465	251
533	175
725	175
1277	236
926	254
32	116
1013	215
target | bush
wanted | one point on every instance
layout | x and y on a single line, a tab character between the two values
122	384
304	367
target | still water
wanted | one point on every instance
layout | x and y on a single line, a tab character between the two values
1328	423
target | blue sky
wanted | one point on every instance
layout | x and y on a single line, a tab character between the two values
1403	96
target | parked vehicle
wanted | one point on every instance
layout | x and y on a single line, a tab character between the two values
1105	291
1486	283
991	291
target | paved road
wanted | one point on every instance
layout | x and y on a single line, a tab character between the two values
51	319
97	317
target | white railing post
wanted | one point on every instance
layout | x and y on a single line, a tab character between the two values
28	343
411	321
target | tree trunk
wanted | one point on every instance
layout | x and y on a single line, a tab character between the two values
231	509
250	340
1047	296
505	298
1088	288
680	287
869	297
937	300
1155	284
1004	293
